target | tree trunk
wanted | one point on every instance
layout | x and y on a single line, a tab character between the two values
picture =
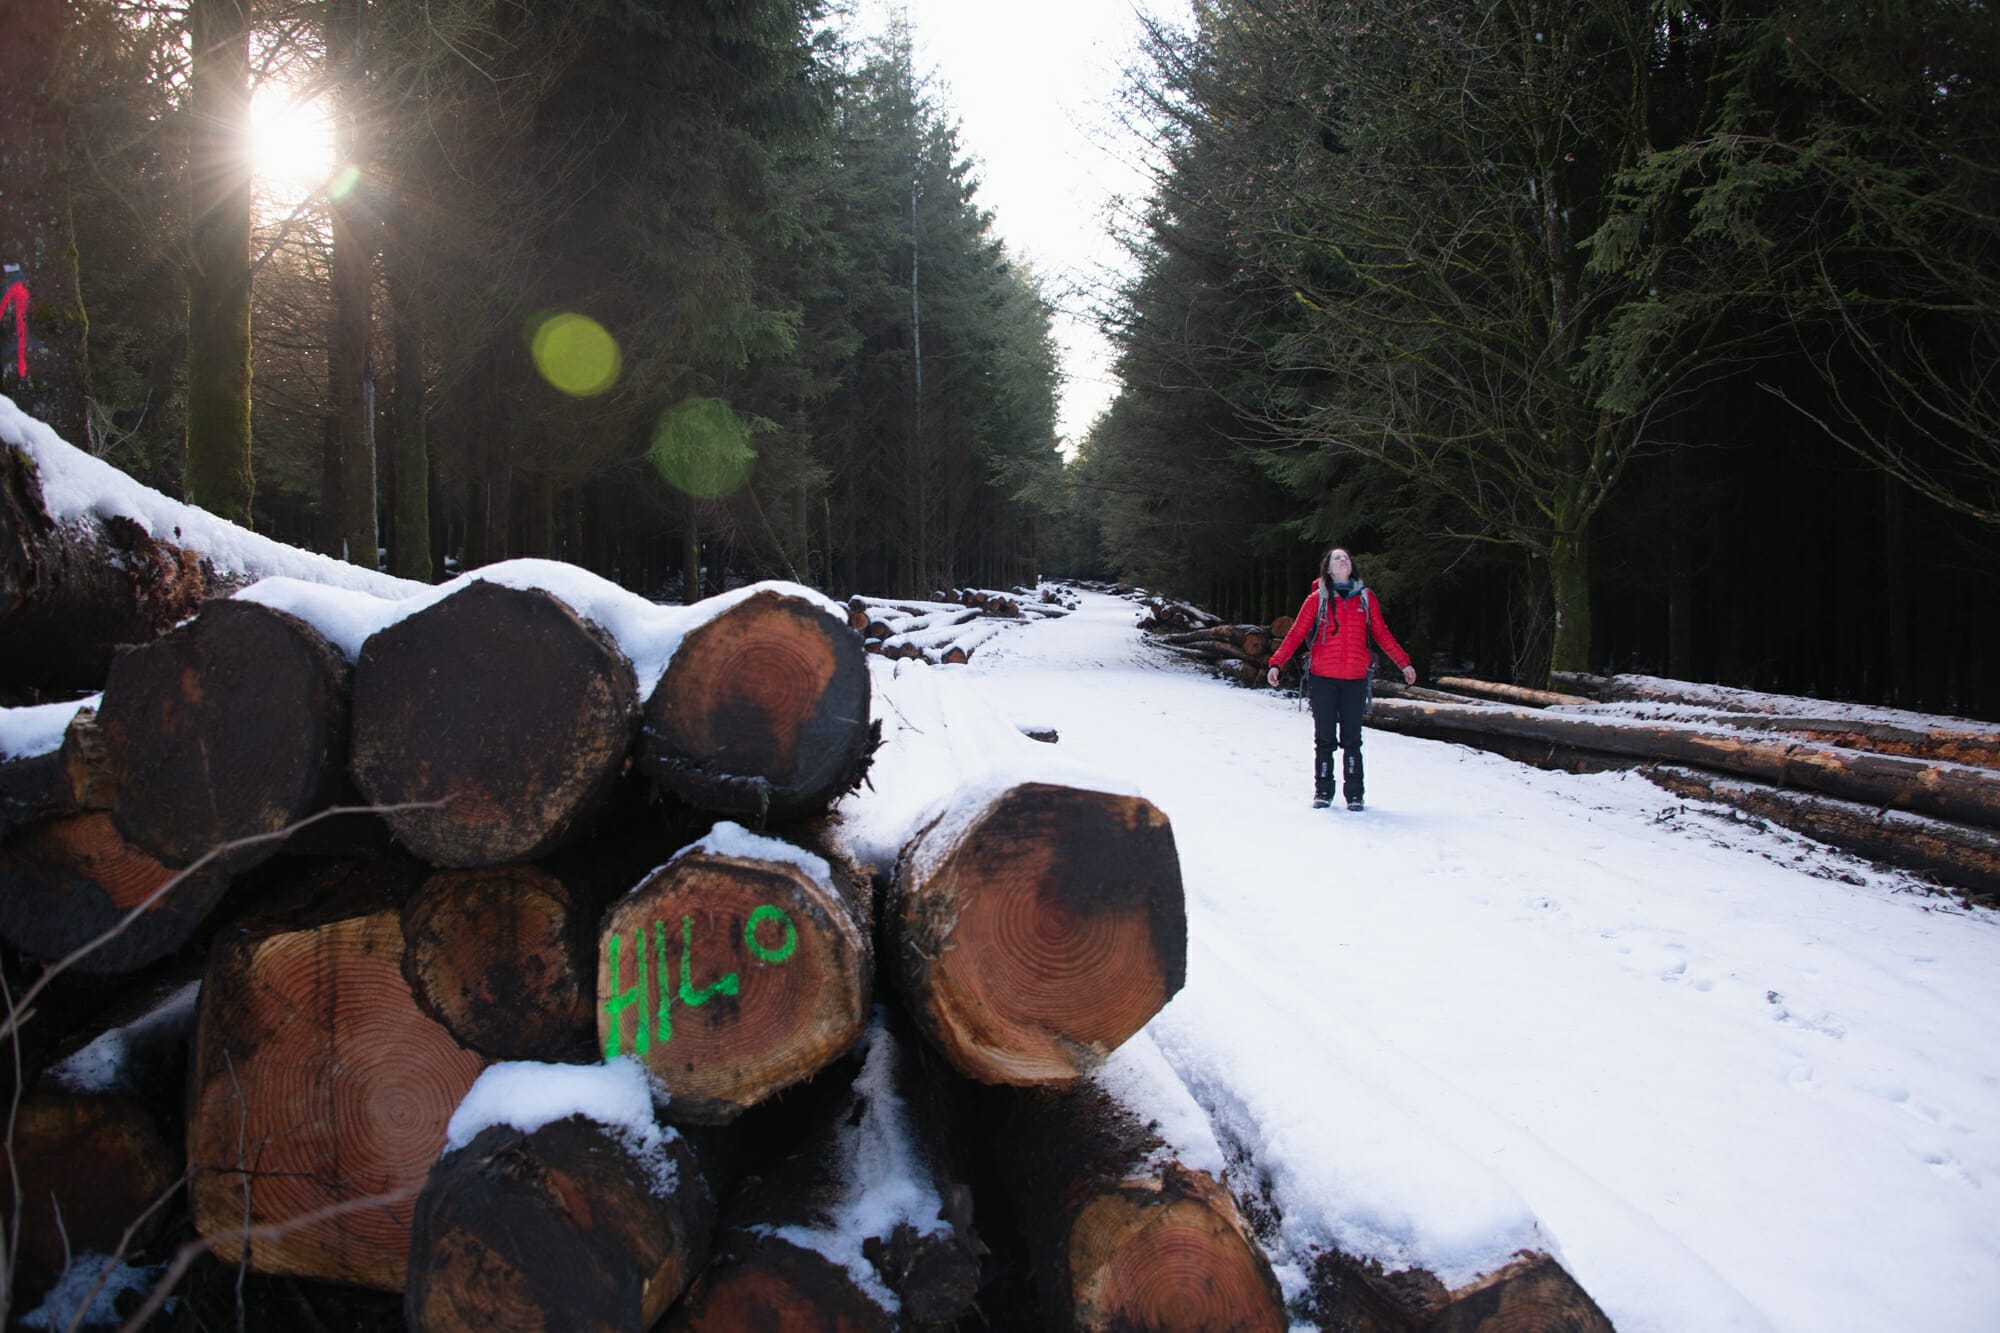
1519	694
350	362
1032	931
1569	582
566	1228
70	593
218	476
1122	1236
43	365
232	726
1531	1292
1949	791
691	552
502	957
499	704
762	713
64	882
775	976
318	1082
410	555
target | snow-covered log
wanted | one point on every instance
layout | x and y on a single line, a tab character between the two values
320	1091
501	712
1033	928
1950	791
561	1210
742	966
762	713
52	763
232	726
1123	1234
1515	694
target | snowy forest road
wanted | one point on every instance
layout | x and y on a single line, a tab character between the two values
1733	1079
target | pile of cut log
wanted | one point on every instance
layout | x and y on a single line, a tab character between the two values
948	629
495	830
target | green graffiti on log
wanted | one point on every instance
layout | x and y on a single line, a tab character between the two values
661	1028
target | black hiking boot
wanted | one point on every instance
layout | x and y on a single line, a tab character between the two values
1323	784
1350	778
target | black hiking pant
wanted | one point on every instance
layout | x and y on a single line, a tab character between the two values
1337	705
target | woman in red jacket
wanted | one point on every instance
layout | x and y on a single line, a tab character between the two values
1342	615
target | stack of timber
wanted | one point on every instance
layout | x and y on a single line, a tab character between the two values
496	827
951	627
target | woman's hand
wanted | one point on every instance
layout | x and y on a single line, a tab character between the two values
1272	676
1409	675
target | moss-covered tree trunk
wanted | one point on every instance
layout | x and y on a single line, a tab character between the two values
218	476
1569	583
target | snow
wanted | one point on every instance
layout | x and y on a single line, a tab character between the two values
63	1308
77	488
1732	1079
617	1094
882	1188
100	1067
732	839
38	728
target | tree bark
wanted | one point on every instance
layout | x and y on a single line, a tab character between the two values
407	246
71	592
232	726
1122	1235
562	1229
350	360
1031	931
64	882
1949	791
502	958
318	1081
775	976
762	713
1569	583
218	475
504	706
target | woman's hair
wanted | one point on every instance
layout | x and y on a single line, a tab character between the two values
1326	578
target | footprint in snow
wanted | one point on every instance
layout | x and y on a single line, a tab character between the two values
1823	1023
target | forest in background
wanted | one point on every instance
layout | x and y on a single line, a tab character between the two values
649	288
1652	337
1656	337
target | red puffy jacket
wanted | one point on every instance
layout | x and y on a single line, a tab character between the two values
1341	650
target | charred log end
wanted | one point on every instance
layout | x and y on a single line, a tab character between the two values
318	1082
64	882
504	706
498	958
563	1228
731	980
1531	1295
762	1282
88	1167
1169	1253
1047	933
774	690
228	727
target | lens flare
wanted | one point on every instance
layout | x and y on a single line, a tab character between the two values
703	448
343	182
575	354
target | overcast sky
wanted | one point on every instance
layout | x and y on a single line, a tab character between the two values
1031	84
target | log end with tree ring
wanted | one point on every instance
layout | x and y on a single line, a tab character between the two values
87	1168
317	1082
731	979
65	882
763	712
229	726
503	705
1037	933
562	1229
499	957
1533	1294
1168	1253
763	1282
